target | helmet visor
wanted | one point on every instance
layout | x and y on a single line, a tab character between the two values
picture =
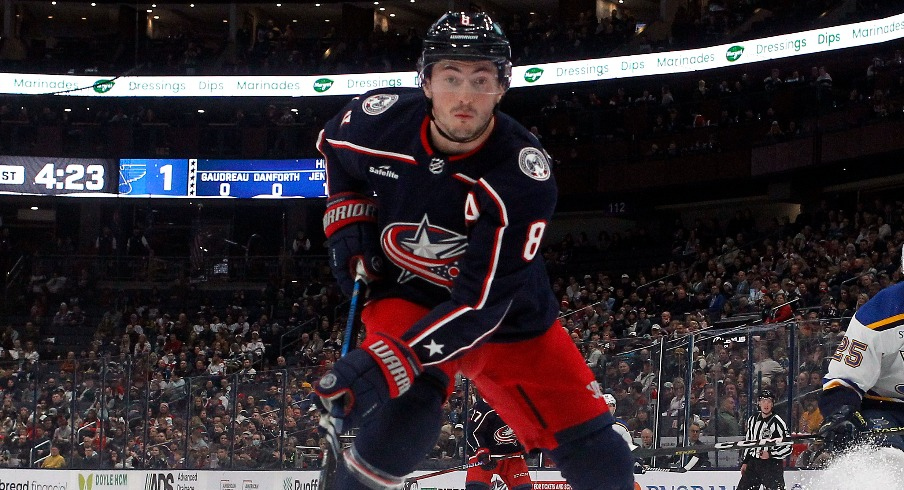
460	76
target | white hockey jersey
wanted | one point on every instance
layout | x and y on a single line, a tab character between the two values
869	361
621	428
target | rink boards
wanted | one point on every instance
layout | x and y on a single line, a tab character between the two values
14	479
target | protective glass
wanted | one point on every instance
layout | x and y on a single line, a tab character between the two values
461	77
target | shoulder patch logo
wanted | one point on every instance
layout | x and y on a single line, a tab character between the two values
534	164
377	104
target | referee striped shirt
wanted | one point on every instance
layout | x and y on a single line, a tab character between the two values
759	427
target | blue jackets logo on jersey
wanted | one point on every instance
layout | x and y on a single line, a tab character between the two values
425	251
534	164
505	435
376	104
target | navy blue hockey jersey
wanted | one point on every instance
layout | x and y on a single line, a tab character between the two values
488	430
461	234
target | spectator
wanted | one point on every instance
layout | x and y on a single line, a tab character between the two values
764	367
810	417
727	423
54	460
646	442
703	462
90	460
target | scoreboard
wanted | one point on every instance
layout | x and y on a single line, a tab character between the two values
198	178
85	177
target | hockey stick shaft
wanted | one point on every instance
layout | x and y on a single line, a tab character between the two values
353	324
679	469
751	443
332	455
465	466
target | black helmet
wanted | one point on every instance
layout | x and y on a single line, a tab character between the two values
467	36
767	394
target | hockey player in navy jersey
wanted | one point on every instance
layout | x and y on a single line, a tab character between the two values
863	387
441	202
493	444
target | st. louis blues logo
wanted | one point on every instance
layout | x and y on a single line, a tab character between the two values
505	435
424	250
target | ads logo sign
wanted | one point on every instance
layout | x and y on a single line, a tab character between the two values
321	85
159	481
168	481
734	53
103	86
533	74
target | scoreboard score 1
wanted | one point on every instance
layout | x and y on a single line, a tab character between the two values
248	179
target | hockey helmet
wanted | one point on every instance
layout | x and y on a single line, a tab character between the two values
767	394
467	36
610	400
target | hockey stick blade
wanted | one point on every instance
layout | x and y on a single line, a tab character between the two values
751	443
691	463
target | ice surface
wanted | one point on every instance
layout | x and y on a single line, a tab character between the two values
862	468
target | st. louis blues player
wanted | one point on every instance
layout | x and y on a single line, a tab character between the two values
864	387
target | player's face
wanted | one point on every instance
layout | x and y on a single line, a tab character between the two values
464	94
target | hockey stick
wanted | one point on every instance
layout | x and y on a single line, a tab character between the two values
411	482
677	469
332	454
353	324
752	443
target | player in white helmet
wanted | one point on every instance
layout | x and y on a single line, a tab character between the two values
621	428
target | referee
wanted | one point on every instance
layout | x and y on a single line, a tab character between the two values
763	466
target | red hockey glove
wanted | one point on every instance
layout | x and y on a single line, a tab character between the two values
484	458
350	225
366	378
